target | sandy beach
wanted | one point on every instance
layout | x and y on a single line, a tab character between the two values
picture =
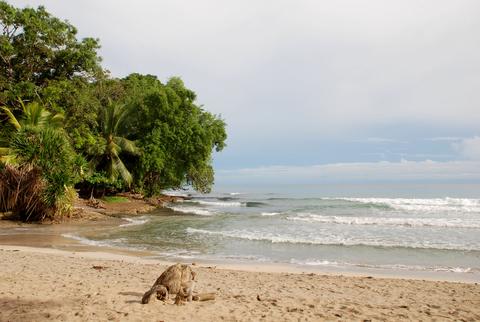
45	284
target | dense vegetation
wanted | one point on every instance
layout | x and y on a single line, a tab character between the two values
65	123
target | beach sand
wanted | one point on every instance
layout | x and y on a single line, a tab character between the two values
45	284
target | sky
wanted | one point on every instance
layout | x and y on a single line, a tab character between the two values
312	91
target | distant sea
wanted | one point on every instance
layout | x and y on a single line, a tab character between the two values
411	229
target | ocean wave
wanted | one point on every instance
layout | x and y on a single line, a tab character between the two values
134	221
227	203
226	198
91	242
193	211
270	213
325	240
218	203
422	205
382	221
313	262
175	193
183	254
255	204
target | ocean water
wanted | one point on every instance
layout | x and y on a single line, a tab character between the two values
400	228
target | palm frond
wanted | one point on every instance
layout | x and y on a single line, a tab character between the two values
113	149
57	120
11	118
4	151
36	115
126	145
8	159
122	170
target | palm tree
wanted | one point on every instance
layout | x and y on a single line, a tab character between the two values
113	119
35	116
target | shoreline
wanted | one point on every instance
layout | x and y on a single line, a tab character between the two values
40	284
62	237
46	276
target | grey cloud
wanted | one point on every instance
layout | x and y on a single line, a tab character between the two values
287	70
337	64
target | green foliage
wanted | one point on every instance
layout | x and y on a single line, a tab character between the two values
176	136
38	50
49	150
35	115
48	153
136	133
111	123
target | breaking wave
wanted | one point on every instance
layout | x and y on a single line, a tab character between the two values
91	242
331	240
421	205
270	214
219	203
383	221
134	221
193	211
326	263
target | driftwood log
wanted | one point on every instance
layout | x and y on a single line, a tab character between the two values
204	297
177	279
170	282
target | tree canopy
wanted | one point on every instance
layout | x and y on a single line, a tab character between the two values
40	52
111	134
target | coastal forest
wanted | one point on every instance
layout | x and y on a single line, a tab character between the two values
67	126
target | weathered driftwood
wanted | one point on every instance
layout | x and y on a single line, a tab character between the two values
170	282
185	293
160	291
204	297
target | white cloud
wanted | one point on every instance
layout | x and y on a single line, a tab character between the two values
356	172
469	148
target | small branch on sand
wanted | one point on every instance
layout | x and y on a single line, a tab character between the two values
204	297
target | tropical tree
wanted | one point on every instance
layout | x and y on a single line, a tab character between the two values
34	115
41	53
44	160
177	136
137	132
113	120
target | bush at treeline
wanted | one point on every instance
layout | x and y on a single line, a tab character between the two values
67	121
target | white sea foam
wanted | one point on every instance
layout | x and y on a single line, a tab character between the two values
454	269
90	242
184	254
219	203
332	240
175	193
134	221
315	262
423	205
270	213
235	193
392	221
193	210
